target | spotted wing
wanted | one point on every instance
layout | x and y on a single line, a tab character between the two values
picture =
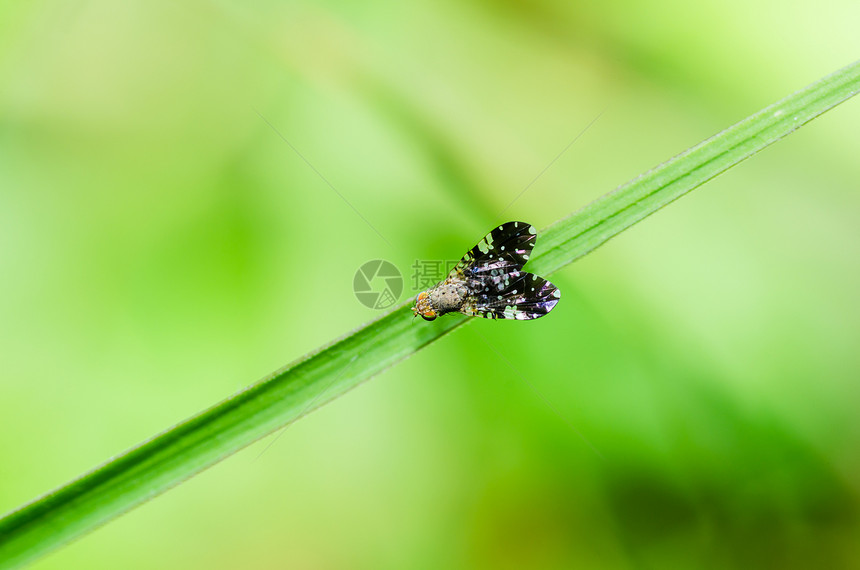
505	249
516	295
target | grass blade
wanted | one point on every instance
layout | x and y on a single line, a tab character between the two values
288	394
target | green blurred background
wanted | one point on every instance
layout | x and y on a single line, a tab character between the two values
161	247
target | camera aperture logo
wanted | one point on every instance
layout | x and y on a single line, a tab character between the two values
377	284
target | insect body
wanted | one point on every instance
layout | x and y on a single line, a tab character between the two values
489	282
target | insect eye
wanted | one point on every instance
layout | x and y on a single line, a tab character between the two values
426	318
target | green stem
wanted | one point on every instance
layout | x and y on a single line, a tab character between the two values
186	449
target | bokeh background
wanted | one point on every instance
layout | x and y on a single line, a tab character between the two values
691	403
